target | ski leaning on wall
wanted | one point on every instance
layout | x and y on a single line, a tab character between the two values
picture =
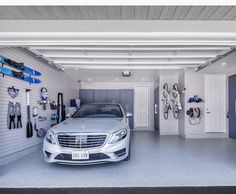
19	75
19	66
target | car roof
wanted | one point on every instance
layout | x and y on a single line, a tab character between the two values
102	103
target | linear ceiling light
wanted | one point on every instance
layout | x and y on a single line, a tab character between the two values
118	43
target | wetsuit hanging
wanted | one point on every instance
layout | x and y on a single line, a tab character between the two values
11	115
18	115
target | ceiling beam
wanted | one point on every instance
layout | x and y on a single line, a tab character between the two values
29	43
145	63
71	48
122	67
115	28
127	57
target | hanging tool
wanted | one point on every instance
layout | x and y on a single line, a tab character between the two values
61	108
35	115
29	128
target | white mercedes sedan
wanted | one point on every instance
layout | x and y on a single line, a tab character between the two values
95	133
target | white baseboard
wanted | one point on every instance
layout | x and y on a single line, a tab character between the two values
143	129
206	135
15	156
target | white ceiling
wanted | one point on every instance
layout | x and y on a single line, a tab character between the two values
129	57
95	43
107	75
117	12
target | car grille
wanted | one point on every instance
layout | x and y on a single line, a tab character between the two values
82	140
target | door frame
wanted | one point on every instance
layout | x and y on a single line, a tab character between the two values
225	104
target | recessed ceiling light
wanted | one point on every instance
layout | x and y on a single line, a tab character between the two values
89	79
224	64
143	79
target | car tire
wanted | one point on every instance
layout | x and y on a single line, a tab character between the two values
129	155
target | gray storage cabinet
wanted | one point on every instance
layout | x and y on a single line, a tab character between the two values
125	97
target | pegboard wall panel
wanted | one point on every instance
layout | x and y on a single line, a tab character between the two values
15	140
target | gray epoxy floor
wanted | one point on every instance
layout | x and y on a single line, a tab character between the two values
155	161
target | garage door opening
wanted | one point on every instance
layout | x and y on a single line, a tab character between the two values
122	99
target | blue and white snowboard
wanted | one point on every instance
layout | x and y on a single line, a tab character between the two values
19	66
19	75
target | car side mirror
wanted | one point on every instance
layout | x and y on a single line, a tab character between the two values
68	115
129	115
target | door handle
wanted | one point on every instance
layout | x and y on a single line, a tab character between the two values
207	111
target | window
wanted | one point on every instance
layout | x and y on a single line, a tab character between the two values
98	111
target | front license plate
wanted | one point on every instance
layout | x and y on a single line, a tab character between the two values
80	155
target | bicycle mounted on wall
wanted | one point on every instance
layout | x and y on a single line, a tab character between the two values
168	96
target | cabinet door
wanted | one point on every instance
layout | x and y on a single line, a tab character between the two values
113	96
232	106
127	102
86	96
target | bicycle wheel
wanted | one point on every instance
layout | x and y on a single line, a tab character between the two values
176	111
175	90
165	90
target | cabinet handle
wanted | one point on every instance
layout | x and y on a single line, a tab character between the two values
235	106
155	108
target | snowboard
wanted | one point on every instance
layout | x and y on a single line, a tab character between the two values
19	66
19	75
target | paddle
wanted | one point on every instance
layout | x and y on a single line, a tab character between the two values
29	128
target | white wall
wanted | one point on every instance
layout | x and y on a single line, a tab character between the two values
169	126
181	121
126	85
194	84
14	140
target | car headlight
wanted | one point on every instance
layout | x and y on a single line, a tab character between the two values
50	137
117	136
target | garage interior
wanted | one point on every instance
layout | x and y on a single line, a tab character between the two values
127	55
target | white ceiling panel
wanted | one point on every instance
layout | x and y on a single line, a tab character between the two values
220	13
194	13
117	12
128	12
207	12
154	13
180	12
141	12
168	12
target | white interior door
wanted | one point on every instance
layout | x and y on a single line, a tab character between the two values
141	106
215	103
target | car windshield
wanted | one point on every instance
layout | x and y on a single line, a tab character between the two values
98	111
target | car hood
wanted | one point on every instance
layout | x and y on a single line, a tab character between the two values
104	125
